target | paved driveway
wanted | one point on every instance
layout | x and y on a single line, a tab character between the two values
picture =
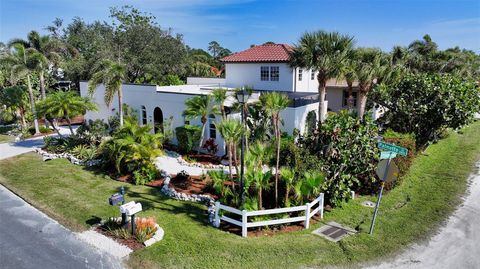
30	239
457	245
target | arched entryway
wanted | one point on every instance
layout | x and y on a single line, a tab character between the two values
158	120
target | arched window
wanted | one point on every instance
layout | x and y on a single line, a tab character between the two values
144	115
212	127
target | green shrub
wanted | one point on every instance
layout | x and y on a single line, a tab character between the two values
348	149
145	174
42	129
85	152
188	137
403	163
426	104
93	131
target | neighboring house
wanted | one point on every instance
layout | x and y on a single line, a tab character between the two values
263	68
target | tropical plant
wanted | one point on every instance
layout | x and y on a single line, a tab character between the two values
24	63
309	187
133	148
231	131
200	107
273	103
112	75
16	98
219	180
220	95
65	105
261	182
324	52
288	177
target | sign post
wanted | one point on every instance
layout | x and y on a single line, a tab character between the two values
118	198
390	172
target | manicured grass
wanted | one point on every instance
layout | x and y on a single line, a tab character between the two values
427	195
6	138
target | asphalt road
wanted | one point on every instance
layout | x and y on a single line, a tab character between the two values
30	239
457	244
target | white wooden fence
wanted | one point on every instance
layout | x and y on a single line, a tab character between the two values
310	209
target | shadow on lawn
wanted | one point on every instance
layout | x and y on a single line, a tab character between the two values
195	211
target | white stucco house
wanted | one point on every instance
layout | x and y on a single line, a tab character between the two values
263	68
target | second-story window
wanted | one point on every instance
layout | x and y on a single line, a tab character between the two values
274	73
264	73
300	74
312	75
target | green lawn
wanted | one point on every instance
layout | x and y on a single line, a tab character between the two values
6	138
429	193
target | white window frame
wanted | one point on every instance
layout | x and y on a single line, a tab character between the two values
312	75
274	73
264	73
300	74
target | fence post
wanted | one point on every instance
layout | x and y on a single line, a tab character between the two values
307	216
244	223
217	218
321	205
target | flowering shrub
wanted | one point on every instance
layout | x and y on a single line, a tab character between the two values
145	228
211	146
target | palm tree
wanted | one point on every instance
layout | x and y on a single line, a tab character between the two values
324	52
350	76
261	182
288	176
231	131
309	187
200	107
16	98
368	71
50	48
112	74
273	103
24	62
220	95
64	105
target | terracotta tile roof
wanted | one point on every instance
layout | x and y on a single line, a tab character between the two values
261	53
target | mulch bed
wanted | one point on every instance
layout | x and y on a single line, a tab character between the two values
203	158
131	243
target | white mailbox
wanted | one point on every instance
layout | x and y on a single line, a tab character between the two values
123	208
134	209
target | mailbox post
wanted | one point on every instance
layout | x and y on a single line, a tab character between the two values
118	198
130	209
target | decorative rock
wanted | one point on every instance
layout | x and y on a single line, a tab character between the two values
74	160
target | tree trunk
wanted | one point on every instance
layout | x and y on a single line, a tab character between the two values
287	190
260	203
322	90
54	128
202	136
350	95
230	160
32	104
69	124
235	159
120	105
42	85
277	135
22	116
362	101
43	93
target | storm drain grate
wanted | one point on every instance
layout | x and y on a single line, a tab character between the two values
333	231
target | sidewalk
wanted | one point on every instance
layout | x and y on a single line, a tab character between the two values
8	150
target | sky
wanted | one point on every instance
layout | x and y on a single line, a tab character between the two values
237	24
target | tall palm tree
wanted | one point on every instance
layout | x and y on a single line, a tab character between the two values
112	75
220	95
273	103
200	107
65	105
50	48
350	76
369	70
24	62
231	131
324	52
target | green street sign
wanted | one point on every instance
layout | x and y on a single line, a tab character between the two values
390	147
387	155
